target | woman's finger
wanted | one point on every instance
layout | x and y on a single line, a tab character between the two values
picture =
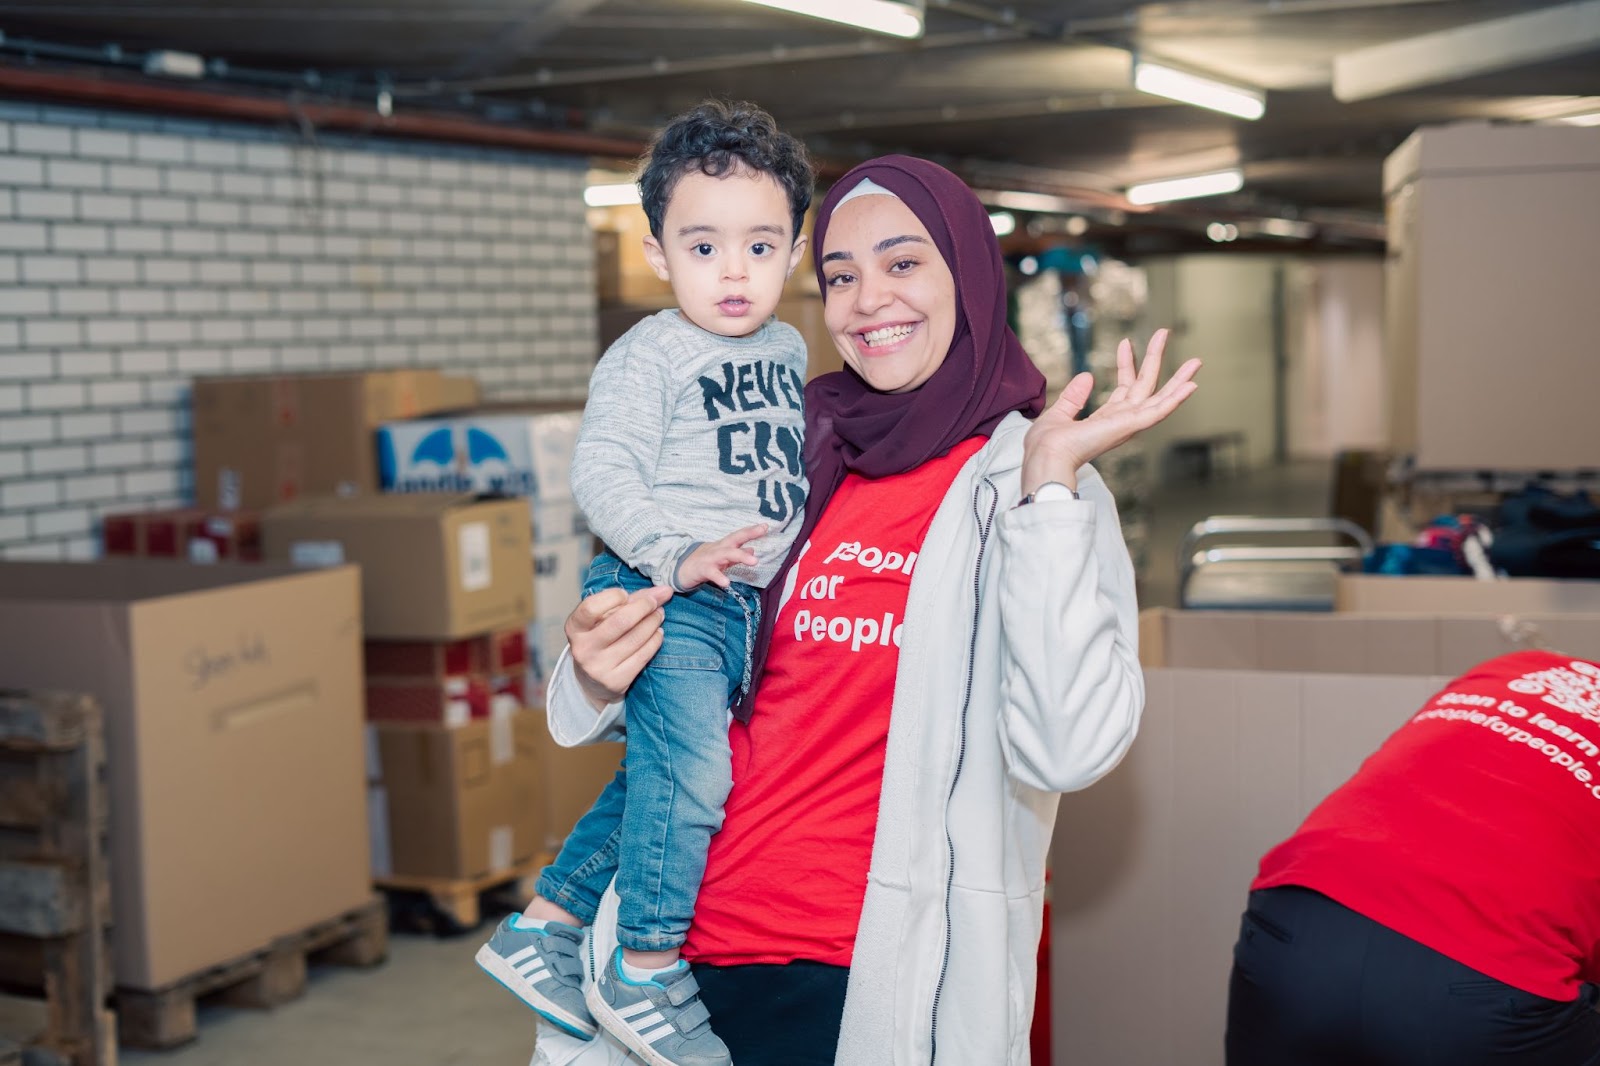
1150	369
592	610
1125	373
628	669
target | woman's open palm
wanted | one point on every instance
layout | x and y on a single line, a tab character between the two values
1062	439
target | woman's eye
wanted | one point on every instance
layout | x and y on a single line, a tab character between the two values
703	249
902	265
840	279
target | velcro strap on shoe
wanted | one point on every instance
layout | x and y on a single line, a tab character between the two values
692	1017
564	965
682	991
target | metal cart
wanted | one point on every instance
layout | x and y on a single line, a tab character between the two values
1265	577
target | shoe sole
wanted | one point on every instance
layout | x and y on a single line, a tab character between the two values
611	1022
546	1008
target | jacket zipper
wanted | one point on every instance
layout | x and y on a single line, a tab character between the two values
985	524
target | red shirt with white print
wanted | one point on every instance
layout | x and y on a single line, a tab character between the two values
786	877
1475	829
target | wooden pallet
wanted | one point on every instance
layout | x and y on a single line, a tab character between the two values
166	1018
55	896
458	903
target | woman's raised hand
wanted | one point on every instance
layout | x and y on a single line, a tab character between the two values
612	635
1059	442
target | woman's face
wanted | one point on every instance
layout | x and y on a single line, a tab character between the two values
891	299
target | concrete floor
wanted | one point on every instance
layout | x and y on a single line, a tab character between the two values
431	1006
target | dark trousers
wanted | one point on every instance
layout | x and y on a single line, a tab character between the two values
1316	984
776	1015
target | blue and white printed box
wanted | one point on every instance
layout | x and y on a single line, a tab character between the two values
523	453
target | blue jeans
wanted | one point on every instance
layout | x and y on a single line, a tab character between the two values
652	824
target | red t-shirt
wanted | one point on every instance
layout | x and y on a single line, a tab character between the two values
1475	829
786	877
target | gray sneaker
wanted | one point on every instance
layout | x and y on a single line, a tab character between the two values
662	1021
544	969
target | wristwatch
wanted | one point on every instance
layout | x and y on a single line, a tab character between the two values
1050	490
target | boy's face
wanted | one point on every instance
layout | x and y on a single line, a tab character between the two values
726	248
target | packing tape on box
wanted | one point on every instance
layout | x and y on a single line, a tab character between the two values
378	828
500	847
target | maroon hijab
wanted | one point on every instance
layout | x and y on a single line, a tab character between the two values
852	428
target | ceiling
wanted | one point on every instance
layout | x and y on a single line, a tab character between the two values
1034	96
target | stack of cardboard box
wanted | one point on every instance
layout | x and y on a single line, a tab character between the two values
454	784
519	451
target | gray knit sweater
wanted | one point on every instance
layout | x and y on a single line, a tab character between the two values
689	436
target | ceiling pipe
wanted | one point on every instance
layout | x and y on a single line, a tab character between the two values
96	90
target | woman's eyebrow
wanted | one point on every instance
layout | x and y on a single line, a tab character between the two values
879	248
889	242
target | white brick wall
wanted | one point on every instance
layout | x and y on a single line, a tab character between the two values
135	252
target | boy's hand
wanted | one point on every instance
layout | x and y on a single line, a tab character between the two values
710	561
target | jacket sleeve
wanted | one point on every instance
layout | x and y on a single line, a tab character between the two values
1071	686
571	718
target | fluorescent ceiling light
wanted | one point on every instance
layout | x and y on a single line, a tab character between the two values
895	18
1004	223
1186	88
1159	192
1592	118
619	195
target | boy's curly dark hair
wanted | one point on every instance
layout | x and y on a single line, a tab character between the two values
715	137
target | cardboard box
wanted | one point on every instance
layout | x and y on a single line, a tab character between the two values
573	779
1250	720
187	533
1152	865
546	640
1380	594
232	702
263	440
557	520
435	567
1527	190
1347	643
523	450
456	803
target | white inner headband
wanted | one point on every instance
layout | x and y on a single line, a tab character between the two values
865	187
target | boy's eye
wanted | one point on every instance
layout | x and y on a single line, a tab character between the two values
760	248
703	249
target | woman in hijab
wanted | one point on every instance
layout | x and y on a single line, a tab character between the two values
953	646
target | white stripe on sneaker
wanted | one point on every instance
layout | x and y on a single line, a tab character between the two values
633	1010
531	949
648	1021
665	1029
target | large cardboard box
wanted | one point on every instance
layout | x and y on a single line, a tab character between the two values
1382	594
1372	643
1455	399
1250	720
262	440
434	566
457	802
520	450
232	701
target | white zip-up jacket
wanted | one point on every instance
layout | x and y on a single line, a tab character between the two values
1018	680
